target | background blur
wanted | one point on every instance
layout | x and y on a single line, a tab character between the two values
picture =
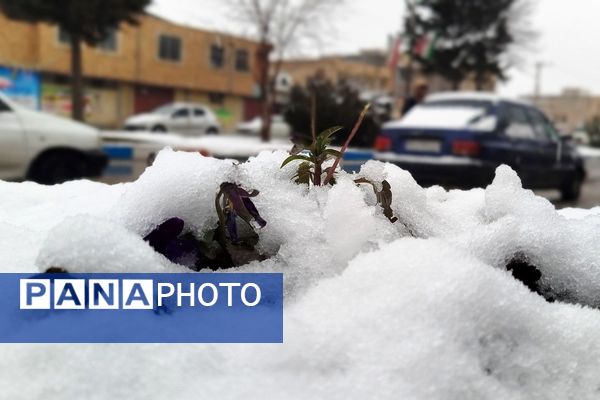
239	76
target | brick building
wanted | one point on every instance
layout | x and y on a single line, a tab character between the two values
135	69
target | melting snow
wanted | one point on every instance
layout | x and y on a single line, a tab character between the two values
419	309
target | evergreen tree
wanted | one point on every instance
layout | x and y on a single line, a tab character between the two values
335	105
464	37
88	21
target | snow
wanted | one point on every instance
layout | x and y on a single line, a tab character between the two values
432	116
419	309
589	152
222	146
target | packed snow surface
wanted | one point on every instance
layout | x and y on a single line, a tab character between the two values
419	309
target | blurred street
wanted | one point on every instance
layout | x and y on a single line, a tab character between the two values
590	194
129	170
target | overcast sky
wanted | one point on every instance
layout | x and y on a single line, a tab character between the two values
568	32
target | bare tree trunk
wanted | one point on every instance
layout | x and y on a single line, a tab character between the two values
479	81
455	84
264	50
77	103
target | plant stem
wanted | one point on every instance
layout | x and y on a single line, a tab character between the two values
345	146
318	172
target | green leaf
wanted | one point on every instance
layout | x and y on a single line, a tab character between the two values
327	133
324	140
332	152
294	157
304	173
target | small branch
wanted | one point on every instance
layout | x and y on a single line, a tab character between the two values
345	146
313	116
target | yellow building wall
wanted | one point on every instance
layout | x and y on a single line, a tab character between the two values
364	76
136	58
17	43
135	61
55	56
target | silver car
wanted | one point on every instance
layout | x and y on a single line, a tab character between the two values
183	118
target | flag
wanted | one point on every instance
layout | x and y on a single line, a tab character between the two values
395	53
425	46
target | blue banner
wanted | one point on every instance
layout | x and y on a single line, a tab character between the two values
22	86
141	308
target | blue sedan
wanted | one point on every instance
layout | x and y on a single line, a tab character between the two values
458	140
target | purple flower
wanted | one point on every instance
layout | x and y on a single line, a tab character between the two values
237	203
231	223
253	211
165	240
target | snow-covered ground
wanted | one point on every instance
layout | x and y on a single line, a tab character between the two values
419	309
222	146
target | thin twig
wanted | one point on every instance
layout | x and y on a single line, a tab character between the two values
313	116
345	146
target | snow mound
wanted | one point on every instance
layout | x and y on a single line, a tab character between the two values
423	308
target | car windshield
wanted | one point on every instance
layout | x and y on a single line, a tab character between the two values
453	114
164	110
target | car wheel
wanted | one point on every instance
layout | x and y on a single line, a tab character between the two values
571	189
159	129
57	167
213	130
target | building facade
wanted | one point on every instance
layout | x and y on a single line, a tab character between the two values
369	73
136	69
570	109
362	76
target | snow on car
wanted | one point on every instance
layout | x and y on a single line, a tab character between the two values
183	118
46	148
423	308
459	139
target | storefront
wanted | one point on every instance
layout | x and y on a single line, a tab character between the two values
21	86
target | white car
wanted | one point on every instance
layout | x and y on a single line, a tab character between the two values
279	128
183	118
46	148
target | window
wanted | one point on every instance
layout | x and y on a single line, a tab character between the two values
63	36
542	127
181	113
110	43
198	112
241	60
169	48
216	98
517	122
217	56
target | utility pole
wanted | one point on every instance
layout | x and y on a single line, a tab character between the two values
410	35
537	89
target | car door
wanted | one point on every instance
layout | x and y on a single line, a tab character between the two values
13	144
550	172
199	120
180	121
523	153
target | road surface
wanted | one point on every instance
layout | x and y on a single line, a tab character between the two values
129	159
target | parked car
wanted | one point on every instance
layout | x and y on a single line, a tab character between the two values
458	139
279	128
45	148
183	118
